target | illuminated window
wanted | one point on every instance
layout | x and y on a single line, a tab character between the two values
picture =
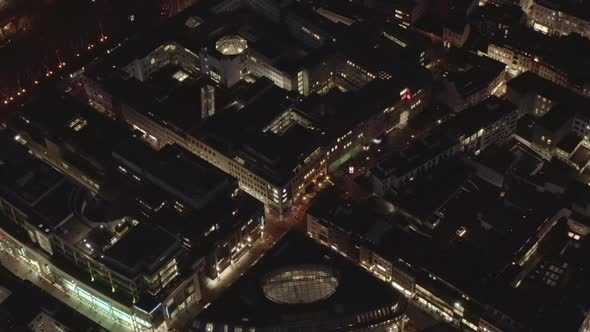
180	76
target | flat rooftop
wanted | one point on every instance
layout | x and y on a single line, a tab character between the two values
529	82
171	96
174	170
276	130
557	275
496	227
143	247
21	301
33	186
571	60
244	132
579	9
413	156
470	73
357	292
477	117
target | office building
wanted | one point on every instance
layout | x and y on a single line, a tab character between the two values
23	307
138	251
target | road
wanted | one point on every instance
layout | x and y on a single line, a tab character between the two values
273	231
59	30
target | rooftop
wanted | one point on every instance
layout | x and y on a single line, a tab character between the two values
274	132
130	256
477	116
171	96
569	142
174	170
470	73
580	9
496	227
570	60
245	303
529	82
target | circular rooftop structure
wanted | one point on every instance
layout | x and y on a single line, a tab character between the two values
231	45
300	284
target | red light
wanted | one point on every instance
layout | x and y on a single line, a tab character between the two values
408	96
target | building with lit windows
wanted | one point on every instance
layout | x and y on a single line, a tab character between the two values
380	243
255	125
300	285
137	252
27	308
199	41
491	122
495	19
523	237
558	17
535	95
560	125
524	50
405	12
468	271
456	33
468	79
71	140
277	144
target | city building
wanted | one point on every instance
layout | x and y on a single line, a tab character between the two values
152	93
456	33
560	125
525	50
469	79
493	19
406	12
138	251
23	307
491	122
380	243
70	137
558	17
301	285
476	241
535	95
